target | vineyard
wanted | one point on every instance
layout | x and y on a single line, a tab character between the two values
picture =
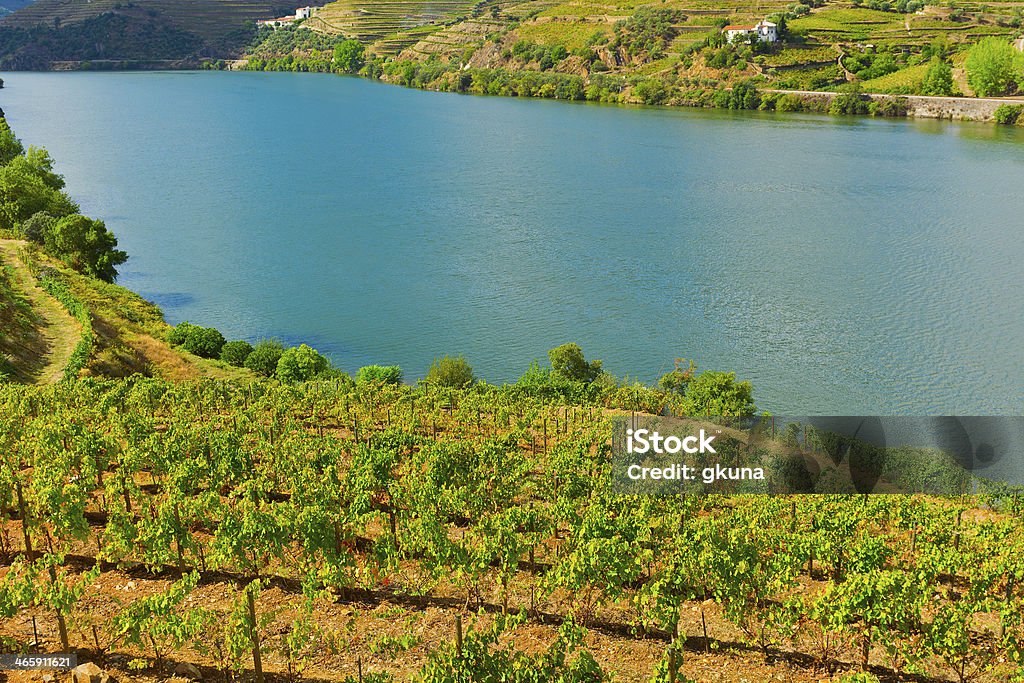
344	531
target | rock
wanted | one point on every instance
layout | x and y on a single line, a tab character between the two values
189	671
90	673
48	678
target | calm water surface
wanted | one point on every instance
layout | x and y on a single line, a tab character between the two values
844	266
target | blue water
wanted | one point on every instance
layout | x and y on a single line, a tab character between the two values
842	265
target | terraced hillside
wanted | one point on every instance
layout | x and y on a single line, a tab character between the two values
50	31
388	26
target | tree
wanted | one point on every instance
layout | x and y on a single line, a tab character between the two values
349	56
568	363
719	394
86	245
42	163
264	358
205	342
301	363
10	146
850	100
379	374
990	67
235	352
939	78
24	192
678	378
454	372
37	226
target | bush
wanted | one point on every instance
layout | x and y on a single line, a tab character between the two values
205	342
938	81
990	67
379	374
849	101
301	363
264	357
568	363
789	103
86	245
719	394
1008	114
235	352
180	332
37	226
454	372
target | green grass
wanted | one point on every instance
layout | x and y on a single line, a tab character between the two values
906	80
570	35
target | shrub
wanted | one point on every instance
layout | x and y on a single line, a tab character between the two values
789	103
301	363
1008	114
379	374
264	357
205	342
849	101
568	363
235	352
86	245
37	226
180	332
454	372
938	80
719	394
651	91
990	67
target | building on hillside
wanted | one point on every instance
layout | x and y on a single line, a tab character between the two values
300	14
1020	44
765	31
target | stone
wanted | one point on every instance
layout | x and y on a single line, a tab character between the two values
90	673
189	671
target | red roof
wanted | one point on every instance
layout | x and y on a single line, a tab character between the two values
739	28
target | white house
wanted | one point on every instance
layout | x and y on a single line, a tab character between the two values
300	14
765	31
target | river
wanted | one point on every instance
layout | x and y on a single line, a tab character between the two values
844	266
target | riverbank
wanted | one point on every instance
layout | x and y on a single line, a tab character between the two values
746	94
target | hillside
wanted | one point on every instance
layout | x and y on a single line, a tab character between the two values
111	31
674	51
127	334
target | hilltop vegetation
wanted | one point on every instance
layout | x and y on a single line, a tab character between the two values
120	33
672	52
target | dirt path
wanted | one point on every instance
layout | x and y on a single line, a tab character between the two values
60	331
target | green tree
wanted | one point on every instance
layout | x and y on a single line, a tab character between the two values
379	374
301	363
719	394
10	146
24	192
180	332
235	352
41	162
349	56
205	342
36	227
991	67
939	78
86	245
678	378
454	372
850	100
264	358
568	363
